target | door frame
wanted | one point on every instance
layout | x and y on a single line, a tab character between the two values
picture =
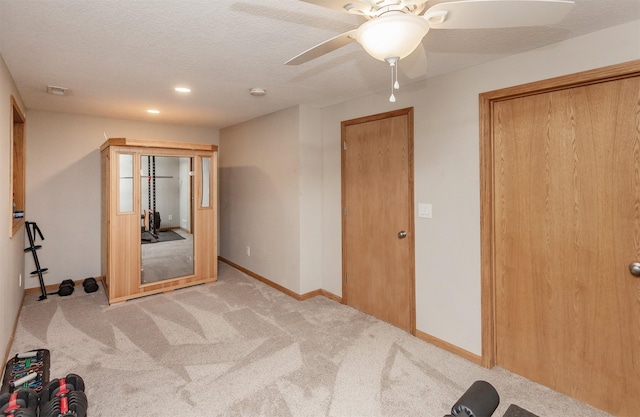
487	209
411	224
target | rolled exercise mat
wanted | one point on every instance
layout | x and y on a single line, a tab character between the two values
480	400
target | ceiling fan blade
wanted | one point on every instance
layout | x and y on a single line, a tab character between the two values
490	14
414	65
323	48
329	4
340	4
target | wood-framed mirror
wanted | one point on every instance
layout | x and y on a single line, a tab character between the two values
166	197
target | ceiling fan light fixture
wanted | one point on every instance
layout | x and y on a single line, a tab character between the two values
394	34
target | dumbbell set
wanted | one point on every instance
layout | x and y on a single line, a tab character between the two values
27	392
20	403
59	398
67	286
64	397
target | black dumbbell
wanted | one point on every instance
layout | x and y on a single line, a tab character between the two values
64	397
72	403
71	382
66	287
22	402
90	285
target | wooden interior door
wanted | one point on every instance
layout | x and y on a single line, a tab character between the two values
378	244
566	228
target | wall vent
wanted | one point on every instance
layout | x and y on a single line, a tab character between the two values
57	91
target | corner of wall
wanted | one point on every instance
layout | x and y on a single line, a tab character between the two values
11	248
310	142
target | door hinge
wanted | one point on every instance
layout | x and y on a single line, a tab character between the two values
346	277
344	211
344	145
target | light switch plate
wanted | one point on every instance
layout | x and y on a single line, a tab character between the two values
425	211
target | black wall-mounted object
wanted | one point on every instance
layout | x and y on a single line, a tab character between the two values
32	229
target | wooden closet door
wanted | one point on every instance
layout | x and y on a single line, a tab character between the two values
378	248
566	228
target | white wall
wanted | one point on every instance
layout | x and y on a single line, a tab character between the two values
63	184
259	196
447	173
310	143
11	249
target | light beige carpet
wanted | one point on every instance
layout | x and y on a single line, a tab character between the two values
240	348
168	259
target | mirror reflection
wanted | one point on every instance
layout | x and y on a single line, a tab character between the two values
166	217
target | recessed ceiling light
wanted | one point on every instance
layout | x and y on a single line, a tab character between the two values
183	89
153	111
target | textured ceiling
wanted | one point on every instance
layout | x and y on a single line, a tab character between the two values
120	58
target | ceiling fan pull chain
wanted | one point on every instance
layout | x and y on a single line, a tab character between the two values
392	98
393	63
396	85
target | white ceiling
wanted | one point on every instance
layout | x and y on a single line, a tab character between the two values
121	57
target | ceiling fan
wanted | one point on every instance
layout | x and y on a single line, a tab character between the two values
395	28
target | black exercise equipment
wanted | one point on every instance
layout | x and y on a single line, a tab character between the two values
151	216
71	382
90	285
154	218
480	400
66	288
73	403
26	370
32	229
64	397
19	403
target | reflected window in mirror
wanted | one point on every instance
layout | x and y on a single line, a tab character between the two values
206	182
125	174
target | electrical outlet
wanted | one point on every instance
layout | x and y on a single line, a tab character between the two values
248	250
171	217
